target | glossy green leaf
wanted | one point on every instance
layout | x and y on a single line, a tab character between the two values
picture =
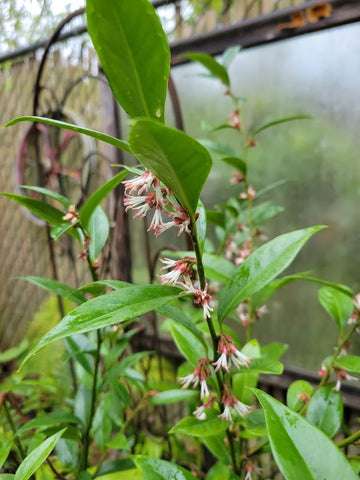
56	287
217	147
75	128
5	448
114	307
265	211
178	316
278	122
58	230
134	53
218	268
273	350
49	193
262	365
201	225
37	457
187	343
209	62
295	391
254	424
337	304
99	228
325	410
241	383
261	267
67	450
39	208
82	350
212	425
82	404
300	449
350	363
172	396
155	469
97	197
175	158
115	466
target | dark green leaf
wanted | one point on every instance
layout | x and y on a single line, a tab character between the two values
97	197
216	218
350	363
102	425
82	403
67	450
296	389
337	304
116	466
325	410
114	307
209	62
99	228
300	449
261	267
187	343
49	193
39	208
277	122
134	53
175	158
53	419
56	287
254	424
216	445
5	448
75	128
60	229
37	457
155	469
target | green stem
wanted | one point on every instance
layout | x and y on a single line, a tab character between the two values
13	429
349	440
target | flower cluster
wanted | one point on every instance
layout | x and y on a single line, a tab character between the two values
232	405
229	355
182	267
201	297
145	193
198	376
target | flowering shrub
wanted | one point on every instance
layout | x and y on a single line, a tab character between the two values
98	432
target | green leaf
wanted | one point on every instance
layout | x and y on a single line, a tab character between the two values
254	424
155	469
42	209
273	350
241	383
53	419
229	55
218	268
216	445
97	197
265	211
67	450
209	62
102	425
5	448
236	162
49	193
62	228
75	128
212	425
217	147
337	304
14	352
6	476
277	122
187	343
175	158
350	363
262	365
114	307
134	53
99	228
297	388
56	287
37	457
172	396
300	449
261	267
325	410
201	225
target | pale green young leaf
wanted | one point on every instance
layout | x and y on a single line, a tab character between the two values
229	55
5	448
350	363
295	392
56	287
134	53
300	449
178	160
75	128
37	457
261	267
278	122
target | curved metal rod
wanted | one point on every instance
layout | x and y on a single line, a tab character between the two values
52	40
